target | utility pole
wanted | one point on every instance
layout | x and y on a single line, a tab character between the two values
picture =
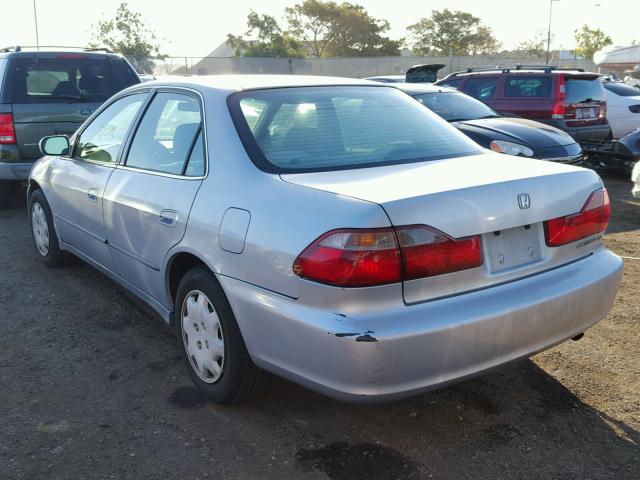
35	19
548	31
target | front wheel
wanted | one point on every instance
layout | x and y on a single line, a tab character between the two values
212	346
43	231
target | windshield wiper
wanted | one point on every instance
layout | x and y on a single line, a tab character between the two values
493	115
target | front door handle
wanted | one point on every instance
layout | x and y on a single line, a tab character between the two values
93	194
168	218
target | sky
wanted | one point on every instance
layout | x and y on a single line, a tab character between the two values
195	27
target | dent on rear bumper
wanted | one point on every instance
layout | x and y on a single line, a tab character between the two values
404	350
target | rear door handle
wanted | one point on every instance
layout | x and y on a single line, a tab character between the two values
168	218
93	194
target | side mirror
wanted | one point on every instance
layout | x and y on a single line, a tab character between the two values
54	145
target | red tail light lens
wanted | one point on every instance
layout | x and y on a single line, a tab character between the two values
592	219
428	252
7	130
559	108
359	258
351	258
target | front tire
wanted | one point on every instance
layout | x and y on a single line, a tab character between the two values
43	231
210	341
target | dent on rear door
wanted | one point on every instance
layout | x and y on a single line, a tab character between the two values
145	215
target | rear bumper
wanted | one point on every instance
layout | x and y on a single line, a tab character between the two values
580	134
15	171
403	350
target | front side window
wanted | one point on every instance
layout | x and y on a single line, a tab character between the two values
482	88
455	107
169	138
528	86
102	139
453	83
332	128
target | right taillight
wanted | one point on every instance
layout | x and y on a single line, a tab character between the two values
559	108
7	130
359	258
592	219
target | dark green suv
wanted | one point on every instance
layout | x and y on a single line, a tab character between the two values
44	92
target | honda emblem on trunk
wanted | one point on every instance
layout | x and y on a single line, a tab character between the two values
524	201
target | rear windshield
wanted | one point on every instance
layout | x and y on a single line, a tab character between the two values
455	107
332	128
582	91
72	77
622	89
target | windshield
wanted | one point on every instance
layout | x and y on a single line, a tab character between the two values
622	89
69	77
455	107
582	91
332	128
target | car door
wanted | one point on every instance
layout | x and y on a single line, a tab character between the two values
78	182
149	197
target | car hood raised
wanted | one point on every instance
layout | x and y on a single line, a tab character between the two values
521	130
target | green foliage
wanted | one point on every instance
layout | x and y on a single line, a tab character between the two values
355	33
589	41
128	34
455	32
316	28
268	39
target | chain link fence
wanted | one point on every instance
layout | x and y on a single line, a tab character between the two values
357	67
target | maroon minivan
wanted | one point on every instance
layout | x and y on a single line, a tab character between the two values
571	100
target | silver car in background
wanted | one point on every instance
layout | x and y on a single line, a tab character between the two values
331	231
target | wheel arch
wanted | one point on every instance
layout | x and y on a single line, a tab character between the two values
177	266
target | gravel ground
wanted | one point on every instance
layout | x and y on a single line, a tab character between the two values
91	386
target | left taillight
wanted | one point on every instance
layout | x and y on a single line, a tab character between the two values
593	218
351	258
359	258
7	129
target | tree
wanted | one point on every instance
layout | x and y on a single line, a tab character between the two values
312	22
355	33
267	39
455	32
589	41
534	47
128	34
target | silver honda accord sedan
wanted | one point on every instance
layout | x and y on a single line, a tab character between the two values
331	231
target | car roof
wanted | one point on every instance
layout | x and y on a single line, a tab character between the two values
234	83
9	53
386	77
417	88
523	71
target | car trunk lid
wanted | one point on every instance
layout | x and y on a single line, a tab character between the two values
503	199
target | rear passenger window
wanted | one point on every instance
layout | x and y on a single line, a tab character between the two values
169	138
482	88
528	86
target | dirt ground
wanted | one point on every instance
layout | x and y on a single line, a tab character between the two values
91	386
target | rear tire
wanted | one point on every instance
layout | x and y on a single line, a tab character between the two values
6	194
211	343
43	231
